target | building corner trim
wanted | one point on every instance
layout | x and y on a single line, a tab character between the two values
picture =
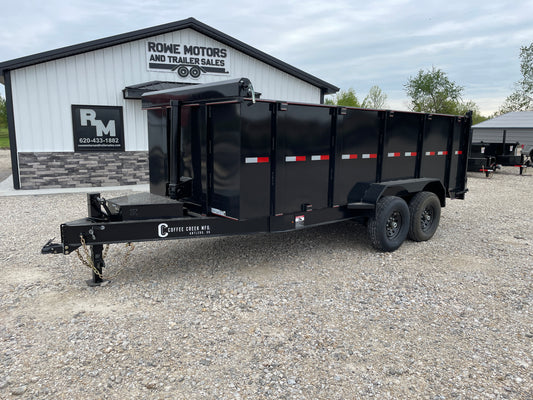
11	130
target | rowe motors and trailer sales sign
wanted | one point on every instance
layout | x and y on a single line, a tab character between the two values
186	60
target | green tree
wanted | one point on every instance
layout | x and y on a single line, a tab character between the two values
346	98
432	92
375	99
463	108
3	112
522	98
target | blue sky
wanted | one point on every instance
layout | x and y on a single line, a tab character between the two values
351	44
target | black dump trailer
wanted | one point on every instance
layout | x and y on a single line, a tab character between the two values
224	162
488	157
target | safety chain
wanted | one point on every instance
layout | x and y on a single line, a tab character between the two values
88	261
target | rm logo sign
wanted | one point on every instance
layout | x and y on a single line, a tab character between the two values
97	128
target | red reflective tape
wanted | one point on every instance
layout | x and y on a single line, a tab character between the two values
410	153
319	158
294	158
255	160
370	156
393	154
458	152
349	156
430	153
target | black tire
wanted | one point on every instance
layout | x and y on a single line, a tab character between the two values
183	71
424	209
389	227
195	72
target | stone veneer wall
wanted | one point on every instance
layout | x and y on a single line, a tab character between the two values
64	170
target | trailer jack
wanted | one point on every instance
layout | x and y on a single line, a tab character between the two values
96	262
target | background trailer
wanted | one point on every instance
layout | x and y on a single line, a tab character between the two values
75	116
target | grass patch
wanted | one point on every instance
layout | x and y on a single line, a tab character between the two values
4	138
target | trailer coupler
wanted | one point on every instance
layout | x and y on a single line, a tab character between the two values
52	248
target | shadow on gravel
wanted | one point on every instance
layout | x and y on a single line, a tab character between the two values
241	254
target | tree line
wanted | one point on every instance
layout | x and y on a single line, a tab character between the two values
431	91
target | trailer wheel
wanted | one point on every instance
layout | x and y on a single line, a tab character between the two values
424	208
195	72
183	71
389	227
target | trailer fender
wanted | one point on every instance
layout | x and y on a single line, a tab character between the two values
369	194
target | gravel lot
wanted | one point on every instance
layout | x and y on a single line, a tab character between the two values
313	314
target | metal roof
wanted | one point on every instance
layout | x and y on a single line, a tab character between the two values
517	119
191	23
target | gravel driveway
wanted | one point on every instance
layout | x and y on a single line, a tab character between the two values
312	314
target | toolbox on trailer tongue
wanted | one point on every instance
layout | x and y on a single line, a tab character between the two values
223	161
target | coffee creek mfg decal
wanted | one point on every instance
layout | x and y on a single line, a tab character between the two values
187	60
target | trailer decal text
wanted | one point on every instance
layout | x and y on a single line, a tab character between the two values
163	230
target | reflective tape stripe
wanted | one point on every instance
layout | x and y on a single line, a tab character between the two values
319	158
442	153
436	153
458	152
349	156
410	153
369	156
256	160
393	154
294	158
430	153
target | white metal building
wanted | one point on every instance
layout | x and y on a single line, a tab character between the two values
59	102
518	127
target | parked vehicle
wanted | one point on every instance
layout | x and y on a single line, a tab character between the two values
223	162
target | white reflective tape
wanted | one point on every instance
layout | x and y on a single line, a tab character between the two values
256	160
315	158
366	156
349	156
295	158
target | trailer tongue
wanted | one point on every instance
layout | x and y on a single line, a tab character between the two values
224	162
